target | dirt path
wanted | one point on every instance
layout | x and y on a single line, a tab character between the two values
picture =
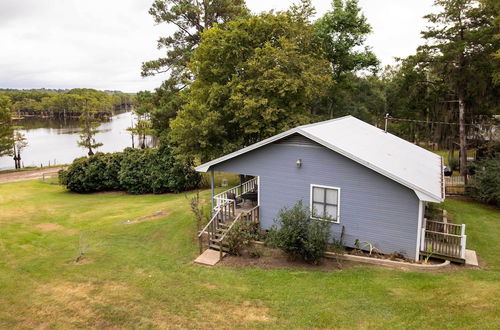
29	175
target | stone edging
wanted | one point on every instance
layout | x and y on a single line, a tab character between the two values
380	262
386	262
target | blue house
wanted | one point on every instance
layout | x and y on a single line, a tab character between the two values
372	185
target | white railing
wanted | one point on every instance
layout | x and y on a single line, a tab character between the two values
221	199
443	238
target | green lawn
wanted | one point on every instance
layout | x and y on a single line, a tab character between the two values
141	275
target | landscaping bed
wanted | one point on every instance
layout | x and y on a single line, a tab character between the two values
260	256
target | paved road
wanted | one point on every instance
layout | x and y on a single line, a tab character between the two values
29	175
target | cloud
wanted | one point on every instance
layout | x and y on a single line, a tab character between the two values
101	44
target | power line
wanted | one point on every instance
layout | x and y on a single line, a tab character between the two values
436	122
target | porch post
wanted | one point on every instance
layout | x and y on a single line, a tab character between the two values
212	187
241	184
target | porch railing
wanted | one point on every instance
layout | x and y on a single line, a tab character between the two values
443	239
221	199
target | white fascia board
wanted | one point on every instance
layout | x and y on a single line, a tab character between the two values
428	198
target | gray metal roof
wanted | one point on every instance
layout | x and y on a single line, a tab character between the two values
387	154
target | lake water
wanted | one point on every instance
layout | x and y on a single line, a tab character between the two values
55	141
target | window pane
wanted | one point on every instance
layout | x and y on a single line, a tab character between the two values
332	196
331	212
318	195
318	210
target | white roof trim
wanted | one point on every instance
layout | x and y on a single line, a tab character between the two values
422	194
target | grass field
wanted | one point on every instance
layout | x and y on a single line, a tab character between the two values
141	275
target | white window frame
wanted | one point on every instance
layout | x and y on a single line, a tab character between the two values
311	202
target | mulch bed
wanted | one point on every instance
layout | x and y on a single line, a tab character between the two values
276	259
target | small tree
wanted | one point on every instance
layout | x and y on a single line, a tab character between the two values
89	123
198	212
6	138
19	144
298	235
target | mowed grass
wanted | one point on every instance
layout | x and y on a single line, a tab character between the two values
141	275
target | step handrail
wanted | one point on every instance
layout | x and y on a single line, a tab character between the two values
209	223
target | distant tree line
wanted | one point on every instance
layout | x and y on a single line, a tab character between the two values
90	106
65	103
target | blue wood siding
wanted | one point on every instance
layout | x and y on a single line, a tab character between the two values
373	208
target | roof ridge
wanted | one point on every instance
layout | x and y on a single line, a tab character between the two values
326	121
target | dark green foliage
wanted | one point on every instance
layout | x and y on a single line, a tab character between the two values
486	184
298	235
190	18
434	211
253	78
65	103
90	174
155	171
6	131
137	171
242	233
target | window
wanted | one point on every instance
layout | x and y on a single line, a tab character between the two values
325	202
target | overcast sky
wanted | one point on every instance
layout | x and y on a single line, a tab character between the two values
102	43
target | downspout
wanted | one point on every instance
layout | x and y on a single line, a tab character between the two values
419	228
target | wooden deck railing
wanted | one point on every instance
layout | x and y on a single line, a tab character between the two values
252	214
443	239
243	188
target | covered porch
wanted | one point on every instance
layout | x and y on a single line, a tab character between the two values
236	204
240	199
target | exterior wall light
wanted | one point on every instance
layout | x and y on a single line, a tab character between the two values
298	163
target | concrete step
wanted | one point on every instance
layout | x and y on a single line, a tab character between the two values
209	257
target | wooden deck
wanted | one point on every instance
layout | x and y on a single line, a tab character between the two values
245	207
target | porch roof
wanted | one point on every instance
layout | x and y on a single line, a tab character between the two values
385	153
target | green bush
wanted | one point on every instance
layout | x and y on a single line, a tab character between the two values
137	171
242	233
485	186
298	235
90	174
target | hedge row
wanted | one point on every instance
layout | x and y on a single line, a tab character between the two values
137	171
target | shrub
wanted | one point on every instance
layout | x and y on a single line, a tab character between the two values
90	174
298	235
242	233
138	171
486	184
